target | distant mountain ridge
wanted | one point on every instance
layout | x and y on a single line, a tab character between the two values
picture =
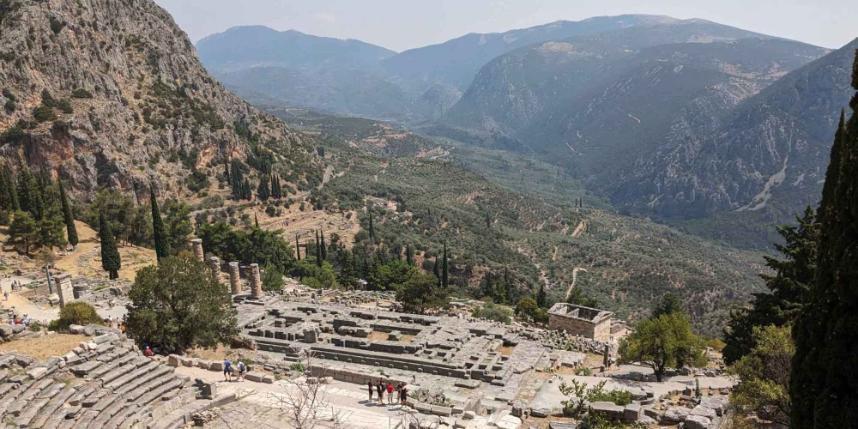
419	84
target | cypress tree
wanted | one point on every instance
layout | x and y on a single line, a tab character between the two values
110	260
263	190
8	191
371	227
541	298
445	276
276	189
435	270
324	251
318	251
159	231
256	220
30	194
68	216
823	382
409	255
297	248
246	192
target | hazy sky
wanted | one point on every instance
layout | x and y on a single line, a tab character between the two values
404	24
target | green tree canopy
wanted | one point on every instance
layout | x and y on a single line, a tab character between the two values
110	259
824	383
788	287
178	305
23	231
420	292
663	342
764	373
76	313
159	231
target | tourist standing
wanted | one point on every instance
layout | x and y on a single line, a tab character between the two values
370	387
242	368
389	392
403	394
380	389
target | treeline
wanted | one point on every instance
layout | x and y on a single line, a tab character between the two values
36	209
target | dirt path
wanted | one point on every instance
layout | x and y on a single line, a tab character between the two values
575	272
85	259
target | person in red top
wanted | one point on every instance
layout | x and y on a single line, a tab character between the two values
389	392
148	352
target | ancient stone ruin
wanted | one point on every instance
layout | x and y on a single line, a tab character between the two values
579	320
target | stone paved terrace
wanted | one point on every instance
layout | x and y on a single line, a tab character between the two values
448	346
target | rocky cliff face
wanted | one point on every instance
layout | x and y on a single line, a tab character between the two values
111	93
769	153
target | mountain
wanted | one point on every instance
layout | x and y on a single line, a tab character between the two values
355	78
111	93
767	158
241	48
455	63
610	106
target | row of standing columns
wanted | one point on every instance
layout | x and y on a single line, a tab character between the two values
234	271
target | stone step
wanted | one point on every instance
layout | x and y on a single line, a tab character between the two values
156	393
139	372
94	397
116	405
178	417
83	369
155	383
51	409
122	370
155	373
110	365
83	421
82	393
24	396
127	411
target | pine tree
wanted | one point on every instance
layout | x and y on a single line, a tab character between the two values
68	216
436	270
823	382
30	194
263	190
110	260
788	288
159	232
445	274
246	192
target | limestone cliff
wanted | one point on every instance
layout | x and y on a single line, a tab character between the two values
111	93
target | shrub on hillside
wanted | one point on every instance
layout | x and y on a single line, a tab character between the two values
75	313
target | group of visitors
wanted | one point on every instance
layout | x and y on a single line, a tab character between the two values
398	393
228	370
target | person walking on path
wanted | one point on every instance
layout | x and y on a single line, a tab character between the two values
242	368
403	394
370	387
227	370
389	392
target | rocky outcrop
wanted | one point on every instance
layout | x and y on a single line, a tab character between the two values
111	93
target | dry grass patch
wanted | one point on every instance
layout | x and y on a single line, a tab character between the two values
43	347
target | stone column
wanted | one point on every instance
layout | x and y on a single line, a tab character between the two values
255	281
234	278
214	265
197	245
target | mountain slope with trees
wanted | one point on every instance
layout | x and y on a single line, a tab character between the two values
109	93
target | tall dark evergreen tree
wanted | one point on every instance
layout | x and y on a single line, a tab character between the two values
110	260
30	194
541	298
8	190
68	216
297	248
318	251
159	232
788	288
324	249
371	227
824	382
445	273
409	255
263	190
276	189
